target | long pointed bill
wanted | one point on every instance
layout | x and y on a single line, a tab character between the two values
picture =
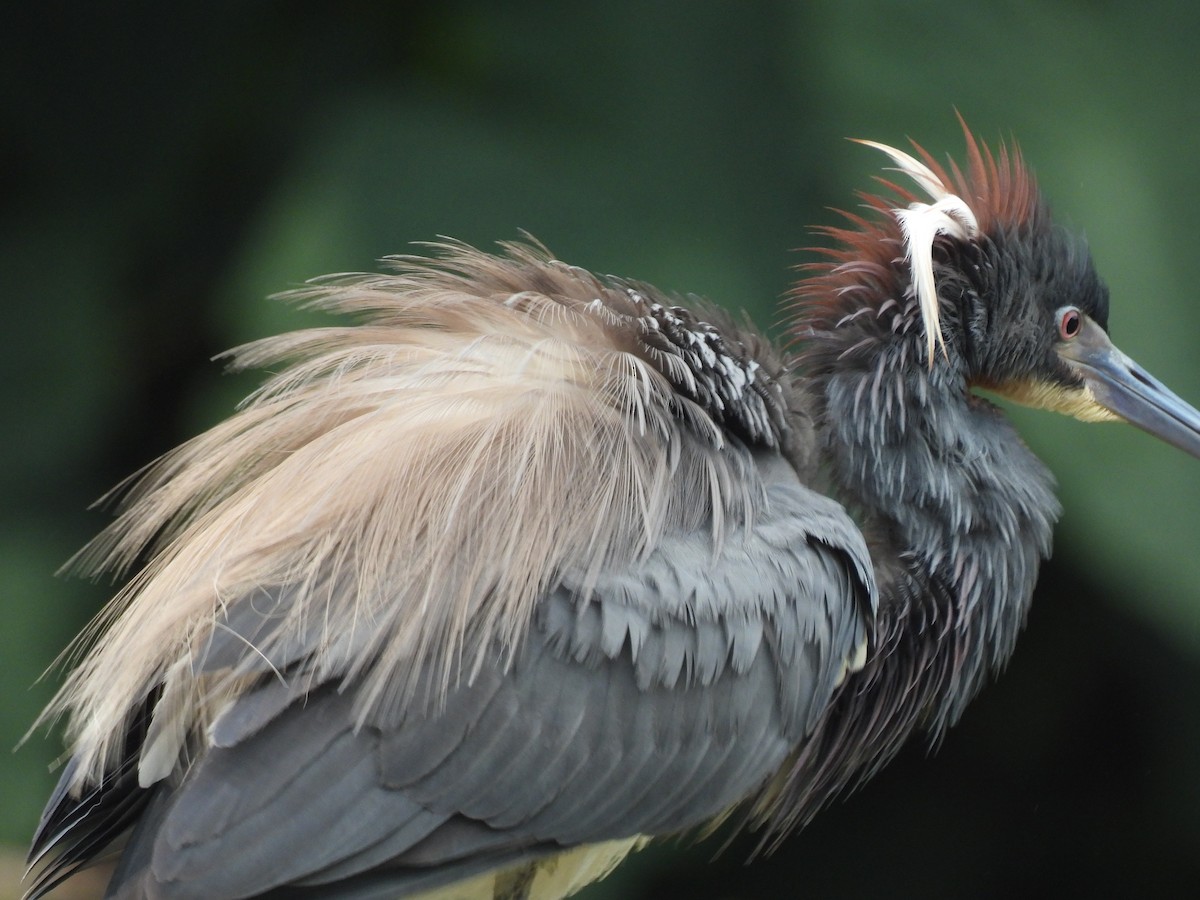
1124	388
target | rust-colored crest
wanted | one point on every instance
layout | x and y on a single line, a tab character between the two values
887	254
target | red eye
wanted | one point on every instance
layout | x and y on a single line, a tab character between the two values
1070	320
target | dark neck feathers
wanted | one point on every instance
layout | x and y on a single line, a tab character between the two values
958	514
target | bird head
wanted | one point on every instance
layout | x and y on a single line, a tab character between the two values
971	268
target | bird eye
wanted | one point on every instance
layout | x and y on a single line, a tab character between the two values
1070	320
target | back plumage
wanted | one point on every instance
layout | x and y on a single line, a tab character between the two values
508	467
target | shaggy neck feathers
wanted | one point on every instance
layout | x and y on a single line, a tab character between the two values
957	512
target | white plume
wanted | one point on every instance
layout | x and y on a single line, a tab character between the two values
921	223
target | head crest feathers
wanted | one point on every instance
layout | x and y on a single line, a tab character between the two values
920	224
993	191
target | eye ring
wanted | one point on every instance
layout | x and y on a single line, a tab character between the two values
1070	322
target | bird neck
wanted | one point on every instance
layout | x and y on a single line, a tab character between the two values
958	513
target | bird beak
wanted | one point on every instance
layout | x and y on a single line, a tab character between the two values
1124	388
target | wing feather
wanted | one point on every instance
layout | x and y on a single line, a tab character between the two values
579	741
461	587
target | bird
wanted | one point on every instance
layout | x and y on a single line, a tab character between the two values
519	567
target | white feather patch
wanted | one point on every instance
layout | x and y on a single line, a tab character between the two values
921	223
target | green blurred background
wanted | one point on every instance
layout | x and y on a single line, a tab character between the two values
165	167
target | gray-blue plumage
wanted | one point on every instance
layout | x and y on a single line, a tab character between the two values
654	701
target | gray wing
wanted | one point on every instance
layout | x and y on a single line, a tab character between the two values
647	704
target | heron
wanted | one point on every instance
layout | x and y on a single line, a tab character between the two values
526	566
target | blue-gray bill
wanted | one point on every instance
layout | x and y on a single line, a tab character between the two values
1121	386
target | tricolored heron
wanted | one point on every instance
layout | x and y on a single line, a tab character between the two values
532	564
